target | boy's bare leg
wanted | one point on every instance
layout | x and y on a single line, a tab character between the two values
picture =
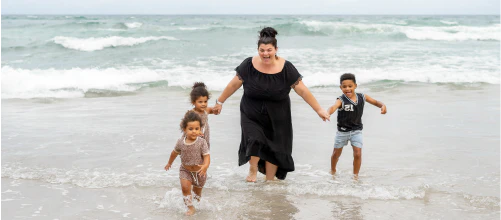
198	193
357	161
271	170
187	197
252	169
335	158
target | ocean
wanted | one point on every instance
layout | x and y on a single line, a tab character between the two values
91	106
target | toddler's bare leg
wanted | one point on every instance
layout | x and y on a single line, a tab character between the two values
198	193
187	197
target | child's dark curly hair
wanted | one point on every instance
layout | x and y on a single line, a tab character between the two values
190	116
199	89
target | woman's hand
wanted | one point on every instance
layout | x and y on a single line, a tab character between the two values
217	109
324	115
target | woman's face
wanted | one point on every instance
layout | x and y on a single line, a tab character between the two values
267	53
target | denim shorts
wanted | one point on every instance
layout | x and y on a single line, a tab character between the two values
355	138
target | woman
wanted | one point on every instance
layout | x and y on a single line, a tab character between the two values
265	109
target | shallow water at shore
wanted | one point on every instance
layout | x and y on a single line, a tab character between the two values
434	155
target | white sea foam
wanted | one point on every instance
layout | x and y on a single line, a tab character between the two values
99	43
450	33
22	83
134	25
72	83
437	74
92	179
329	27
449	22
456	33
222	180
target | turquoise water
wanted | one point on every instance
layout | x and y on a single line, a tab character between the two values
68	56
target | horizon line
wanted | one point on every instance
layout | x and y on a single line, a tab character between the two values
242	14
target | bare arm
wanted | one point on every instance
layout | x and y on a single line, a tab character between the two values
232	86
334	107
173	156
305	93
376	103
209	110
205	166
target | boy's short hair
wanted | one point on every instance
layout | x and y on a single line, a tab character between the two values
347	76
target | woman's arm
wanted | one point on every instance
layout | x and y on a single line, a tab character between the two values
376	103
232	86
305	93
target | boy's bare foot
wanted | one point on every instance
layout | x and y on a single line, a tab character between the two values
252	174
332	172
355	177
191	210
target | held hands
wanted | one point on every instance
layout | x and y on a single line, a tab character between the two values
167	167
203	170
324	115
217	109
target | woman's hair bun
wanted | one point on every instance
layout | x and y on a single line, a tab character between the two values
268	32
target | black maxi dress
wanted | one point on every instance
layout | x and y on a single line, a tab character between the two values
265	116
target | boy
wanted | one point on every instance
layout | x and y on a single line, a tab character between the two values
350	107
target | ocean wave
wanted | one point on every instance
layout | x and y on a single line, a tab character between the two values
76	82
128	25
366	76
133	25
95	82
456	33
99	43
193	28
449	22
346	27
439	33
78	24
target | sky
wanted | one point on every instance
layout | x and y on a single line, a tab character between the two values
269	7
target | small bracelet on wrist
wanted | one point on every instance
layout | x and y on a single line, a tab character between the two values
218	102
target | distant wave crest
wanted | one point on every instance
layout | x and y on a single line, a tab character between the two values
100	43
134	25
450	32
457	33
